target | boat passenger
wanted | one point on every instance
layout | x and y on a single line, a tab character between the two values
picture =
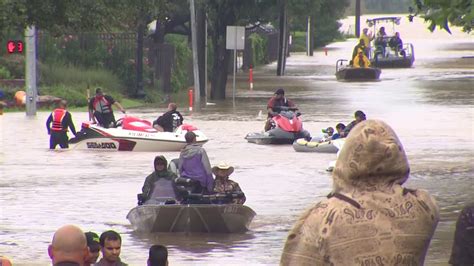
360	47
194	164
223	184
381	40
278	100
361	61
61	120
339	128
170	120
463	245
159	186
359	117
111	245
369	218
367	38
327	134
100	109
396	44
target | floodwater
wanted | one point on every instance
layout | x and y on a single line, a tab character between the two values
430	106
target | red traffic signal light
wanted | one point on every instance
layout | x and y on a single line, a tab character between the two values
15	47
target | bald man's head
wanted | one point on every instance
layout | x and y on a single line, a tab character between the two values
69	244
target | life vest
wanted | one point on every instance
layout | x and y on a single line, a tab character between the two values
101	105
58	116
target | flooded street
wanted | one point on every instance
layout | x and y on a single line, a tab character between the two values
430	107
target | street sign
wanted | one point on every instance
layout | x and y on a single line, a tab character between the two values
14	47
235	38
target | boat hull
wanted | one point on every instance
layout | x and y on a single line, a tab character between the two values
358	74
206	218
393	62
275	136
118	139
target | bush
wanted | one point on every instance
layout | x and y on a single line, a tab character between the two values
298	42
183	55
259	49
15	64
74	95
4	73
71	83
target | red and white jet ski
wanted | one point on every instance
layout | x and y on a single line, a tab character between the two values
132	134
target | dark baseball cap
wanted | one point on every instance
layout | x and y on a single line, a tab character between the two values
93	241
280	91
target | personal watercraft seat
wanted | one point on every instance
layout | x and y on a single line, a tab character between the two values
137	124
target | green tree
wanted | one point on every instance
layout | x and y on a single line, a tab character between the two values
442	12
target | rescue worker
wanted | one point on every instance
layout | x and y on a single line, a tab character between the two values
100	109
222	183
273	105
159	186
369	218
367	38
61	120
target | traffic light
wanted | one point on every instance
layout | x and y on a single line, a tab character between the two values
15	47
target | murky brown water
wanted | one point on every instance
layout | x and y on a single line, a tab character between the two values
430	107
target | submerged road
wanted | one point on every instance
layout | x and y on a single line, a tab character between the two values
430	106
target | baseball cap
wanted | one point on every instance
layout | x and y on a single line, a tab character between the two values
280	91
93	241
327	130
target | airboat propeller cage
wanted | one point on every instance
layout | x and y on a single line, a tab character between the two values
373	22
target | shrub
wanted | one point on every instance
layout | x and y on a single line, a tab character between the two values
183	55
4	73
259	50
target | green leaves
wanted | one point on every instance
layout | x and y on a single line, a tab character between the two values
442	13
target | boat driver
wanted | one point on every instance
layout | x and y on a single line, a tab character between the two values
276	101
224	185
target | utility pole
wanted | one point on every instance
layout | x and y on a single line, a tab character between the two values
140	93
309	38
357	19
197	89
30	75
283	39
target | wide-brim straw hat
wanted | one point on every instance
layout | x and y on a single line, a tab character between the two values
223	166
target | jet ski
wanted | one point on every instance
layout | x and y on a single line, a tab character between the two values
132	134
286	128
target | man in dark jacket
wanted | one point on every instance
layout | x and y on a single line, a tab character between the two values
274	104
194	164
170	120
159	186
463	246
61	120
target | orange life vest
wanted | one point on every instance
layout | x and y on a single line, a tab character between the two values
58	116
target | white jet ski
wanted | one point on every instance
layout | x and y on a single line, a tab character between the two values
132	134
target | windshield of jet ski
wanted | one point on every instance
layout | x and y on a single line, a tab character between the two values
287	114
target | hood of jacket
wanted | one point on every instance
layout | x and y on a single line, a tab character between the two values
372	158
190	150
